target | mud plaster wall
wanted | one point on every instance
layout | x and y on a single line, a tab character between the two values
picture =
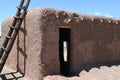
94	40
37	48
94	43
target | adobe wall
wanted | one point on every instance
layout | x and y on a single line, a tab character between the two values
37	53
94	41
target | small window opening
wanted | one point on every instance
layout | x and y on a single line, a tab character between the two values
64	50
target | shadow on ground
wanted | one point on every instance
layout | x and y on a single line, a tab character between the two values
11	76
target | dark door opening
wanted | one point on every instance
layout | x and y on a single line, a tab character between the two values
64	50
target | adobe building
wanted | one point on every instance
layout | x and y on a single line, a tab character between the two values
90	41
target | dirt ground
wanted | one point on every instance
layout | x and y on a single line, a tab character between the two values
102	73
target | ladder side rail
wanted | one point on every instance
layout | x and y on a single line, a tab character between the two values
12	40
11	29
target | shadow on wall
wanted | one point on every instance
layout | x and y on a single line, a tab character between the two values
21	50
21	57
88	66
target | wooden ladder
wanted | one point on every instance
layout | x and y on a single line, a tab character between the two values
13	31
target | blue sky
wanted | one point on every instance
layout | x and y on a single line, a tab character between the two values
109	8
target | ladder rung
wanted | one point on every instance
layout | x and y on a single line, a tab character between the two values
8	37
20	7
1	62
12	27
17	17
4	48
24	7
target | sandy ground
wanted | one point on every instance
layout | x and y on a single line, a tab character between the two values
8	74
102	73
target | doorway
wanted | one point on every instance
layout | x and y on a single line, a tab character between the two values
64	50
